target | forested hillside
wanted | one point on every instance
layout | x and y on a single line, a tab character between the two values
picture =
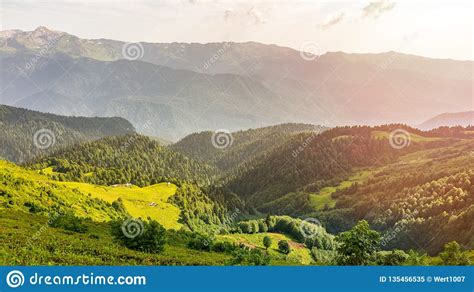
132	158
424	199
241	146
310	162
348	174
26	134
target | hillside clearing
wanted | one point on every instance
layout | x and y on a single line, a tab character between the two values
151	201
324	198
299	254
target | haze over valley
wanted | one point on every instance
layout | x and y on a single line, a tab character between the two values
170	90
224	133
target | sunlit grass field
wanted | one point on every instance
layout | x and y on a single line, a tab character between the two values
413	137
324	198
151	201
87	200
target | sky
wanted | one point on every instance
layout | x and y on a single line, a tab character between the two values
439	29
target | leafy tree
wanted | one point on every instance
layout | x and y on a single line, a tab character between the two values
284	247
147	236
245	227
267	241
119	205
270	222
392	258
452	255
262	226
416	259
358	246
198	210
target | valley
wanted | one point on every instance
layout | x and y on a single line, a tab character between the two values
231	153
218	206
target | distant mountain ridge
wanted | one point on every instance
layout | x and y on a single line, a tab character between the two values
449	120
224	85
159	101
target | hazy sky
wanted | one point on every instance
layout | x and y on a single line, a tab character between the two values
430	28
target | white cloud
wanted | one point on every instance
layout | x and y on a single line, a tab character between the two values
244	14
332	20
376	8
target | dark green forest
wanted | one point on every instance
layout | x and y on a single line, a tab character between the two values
18	127
131	158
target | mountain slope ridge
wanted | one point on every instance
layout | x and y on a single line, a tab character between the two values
26	134
449	120
276	85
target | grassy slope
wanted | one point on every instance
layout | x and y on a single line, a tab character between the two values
324	197
299	255
20	188
136	200
151	201
413	137
26	239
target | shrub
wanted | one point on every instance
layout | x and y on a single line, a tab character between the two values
324	257
119	206
392	258
147	236
258	258
200	242
33	208
224	246
270	221
255	257
416	259
251	226
267	242
284	247
68	221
